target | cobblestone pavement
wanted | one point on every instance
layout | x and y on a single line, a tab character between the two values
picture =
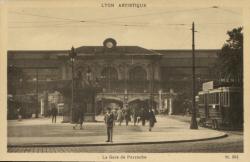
231	144
42	132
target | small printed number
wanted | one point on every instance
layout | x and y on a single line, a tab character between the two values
231	157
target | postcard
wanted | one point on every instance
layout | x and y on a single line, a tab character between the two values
126	80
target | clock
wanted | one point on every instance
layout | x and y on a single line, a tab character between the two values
109	43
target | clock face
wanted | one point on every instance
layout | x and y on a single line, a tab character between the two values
109	44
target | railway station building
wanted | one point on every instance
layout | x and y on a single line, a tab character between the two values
111	75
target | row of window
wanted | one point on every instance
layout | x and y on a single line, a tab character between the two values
215	98
137	73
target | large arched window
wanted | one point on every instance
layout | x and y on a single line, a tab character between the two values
110	73
137	74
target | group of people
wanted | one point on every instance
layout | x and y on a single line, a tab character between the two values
111	117
138	115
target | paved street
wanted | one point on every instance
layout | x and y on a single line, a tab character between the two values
231	144
167	136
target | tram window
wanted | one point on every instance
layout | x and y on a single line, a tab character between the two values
201	99
212	98
209	98
222	98
216	98
213	101
226	98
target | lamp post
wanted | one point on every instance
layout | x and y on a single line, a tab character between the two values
72	55
102	77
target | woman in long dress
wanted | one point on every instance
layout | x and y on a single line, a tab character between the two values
120	116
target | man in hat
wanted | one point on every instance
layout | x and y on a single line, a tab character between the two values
109	121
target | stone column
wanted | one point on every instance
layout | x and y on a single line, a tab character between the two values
160	100
46	103
166	104
170	106
42	107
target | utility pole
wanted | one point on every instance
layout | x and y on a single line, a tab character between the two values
37	102
152	85
193	124
72	89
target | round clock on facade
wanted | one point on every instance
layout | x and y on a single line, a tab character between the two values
109	43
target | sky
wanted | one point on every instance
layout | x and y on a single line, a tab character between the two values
152	27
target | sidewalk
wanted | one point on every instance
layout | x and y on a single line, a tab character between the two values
41	132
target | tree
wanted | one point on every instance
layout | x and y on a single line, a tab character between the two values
16	78
230	58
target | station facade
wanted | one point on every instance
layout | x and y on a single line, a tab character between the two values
118	76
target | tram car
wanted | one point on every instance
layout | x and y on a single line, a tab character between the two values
221	108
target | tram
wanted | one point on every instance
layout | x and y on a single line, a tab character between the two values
221	108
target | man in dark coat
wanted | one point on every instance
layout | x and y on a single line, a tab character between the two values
143	116
53	112
109	121
151	118
79	117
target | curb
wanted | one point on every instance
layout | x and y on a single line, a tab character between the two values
114	144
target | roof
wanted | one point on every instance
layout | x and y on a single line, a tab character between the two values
120	50
186	53
130	50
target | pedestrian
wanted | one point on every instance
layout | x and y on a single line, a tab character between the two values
151	118
53	112
19	113
120	116
135	115
114	112
143	116
185	105
109	121
127	116
79	117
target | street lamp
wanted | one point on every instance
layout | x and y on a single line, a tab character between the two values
72	55
102	77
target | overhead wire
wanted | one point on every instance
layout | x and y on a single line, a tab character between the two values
109	18
125	24
70	24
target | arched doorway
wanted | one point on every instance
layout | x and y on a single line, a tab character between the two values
104	103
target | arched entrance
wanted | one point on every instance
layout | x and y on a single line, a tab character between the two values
104	103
